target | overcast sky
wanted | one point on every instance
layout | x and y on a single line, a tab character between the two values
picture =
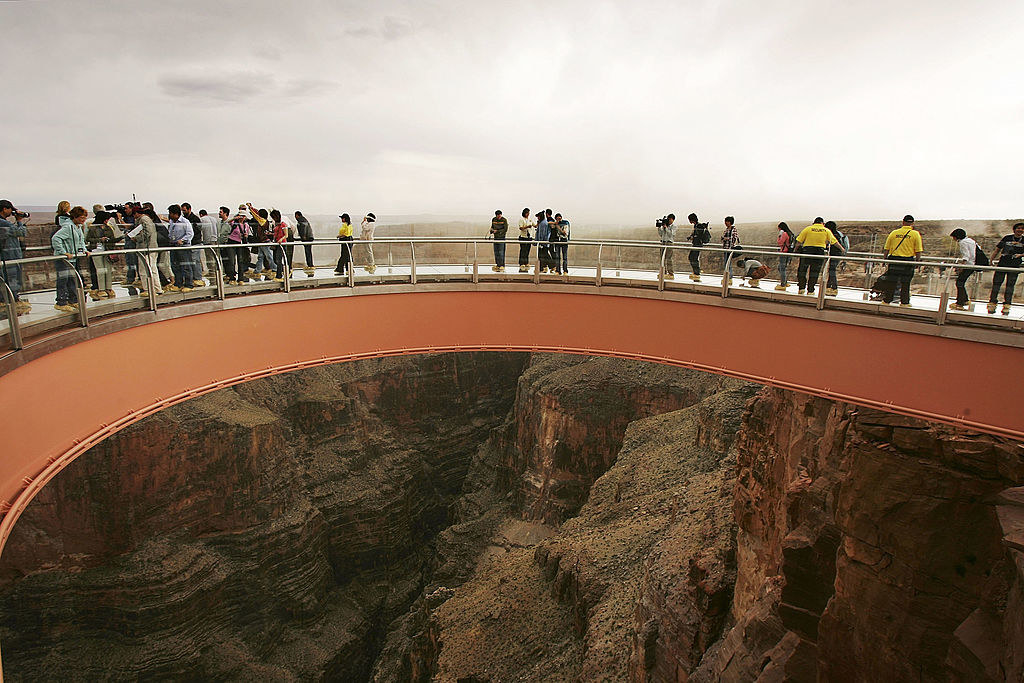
607	110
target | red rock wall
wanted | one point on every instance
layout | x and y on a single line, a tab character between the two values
865	541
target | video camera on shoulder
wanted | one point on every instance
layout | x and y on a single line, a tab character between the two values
661	222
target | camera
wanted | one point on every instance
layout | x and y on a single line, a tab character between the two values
661	222
119	208
21	215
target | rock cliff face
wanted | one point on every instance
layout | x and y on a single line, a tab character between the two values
268	531
487	517
868	549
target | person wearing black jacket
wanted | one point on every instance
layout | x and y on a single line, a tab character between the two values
198	258
305	231
1010	251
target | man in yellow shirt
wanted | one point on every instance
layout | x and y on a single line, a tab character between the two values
813	239
904	245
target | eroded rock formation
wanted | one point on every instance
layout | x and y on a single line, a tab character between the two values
484	518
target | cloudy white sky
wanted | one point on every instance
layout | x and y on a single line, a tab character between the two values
608	110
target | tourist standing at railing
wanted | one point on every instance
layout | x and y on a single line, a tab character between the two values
226	255
903	245
835	250
163	259
969	251
787	243
1009	250
306	236
69	243
180	234
197	261
238	234
561	235
280	238
700	235
345	237
63	209
667	236
100	237
94	290
730	242
525	238
812	240
366	233
263	233
146	237
543	237
12	231
131	261
208	227
498	231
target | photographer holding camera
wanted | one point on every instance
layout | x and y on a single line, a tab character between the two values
667	235
1010	250
11	234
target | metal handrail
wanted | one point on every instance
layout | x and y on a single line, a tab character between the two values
730	255
943	262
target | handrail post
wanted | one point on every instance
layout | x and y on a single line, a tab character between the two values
152	279
536	267
476	263
218	271
391	264
822	279
83	315
940	319
661	269
412	272
597	276
468	264
12	316
618	261
351	279
286	270
726	274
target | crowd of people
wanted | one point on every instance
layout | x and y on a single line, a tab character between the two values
903	246
136	225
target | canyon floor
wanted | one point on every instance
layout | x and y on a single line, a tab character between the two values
507	517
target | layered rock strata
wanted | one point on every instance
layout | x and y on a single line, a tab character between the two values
268	531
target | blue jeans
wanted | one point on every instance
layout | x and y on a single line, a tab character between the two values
560	254
181	266
265	261
783	265
65	283
499	253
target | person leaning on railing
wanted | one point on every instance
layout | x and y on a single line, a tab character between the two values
280	236
68	242
903	244
699	236
832	283
1010	249
12	230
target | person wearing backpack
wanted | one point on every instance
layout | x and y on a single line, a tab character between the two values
971	254
667	235
699	236
787	244
1010	250
841	247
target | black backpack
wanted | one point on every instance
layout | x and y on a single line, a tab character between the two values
980	257
701	235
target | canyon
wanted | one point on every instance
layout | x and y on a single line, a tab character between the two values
504	517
